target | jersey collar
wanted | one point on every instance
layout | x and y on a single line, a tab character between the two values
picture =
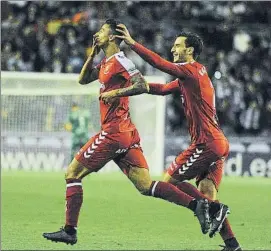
185	63
116	54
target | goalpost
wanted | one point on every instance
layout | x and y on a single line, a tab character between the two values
35	107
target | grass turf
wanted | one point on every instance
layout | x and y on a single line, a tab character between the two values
115	216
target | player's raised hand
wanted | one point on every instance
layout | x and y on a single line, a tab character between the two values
109	97
125	34
95	48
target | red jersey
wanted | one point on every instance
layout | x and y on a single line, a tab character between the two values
197	91
114	73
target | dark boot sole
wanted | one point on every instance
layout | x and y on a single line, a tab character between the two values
68	243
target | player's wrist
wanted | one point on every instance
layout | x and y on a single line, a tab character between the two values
91	55
132	42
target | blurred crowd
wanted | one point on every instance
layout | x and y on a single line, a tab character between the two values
52	36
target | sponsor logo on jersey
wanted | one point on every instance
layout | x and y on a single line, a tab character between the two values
122	150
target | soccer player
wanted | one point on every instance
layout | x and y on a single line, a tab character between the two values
78	125
118	139
205	156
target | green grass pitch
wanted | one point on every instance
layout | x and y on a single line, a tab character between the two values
115	216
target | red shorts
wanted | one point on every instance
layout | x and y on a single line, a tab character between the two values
122	147
201	161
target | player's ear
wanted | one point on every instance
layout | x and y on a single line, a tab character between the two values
190	50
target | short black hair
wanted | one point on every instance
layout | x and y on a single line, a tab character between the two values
192	40
113	26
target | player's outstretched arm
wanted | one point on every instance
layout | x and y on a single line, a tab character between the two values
139	86
164	89
151	57
88	72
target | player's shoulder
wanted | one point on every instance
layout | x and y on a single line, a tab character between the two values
191	65
196	68
198	64
201	69
125	62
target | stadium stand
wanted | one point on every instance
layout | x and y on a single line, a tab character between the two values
48	36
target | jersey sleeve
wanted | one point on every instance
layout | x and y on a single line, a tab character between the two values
125	67
177	70
164	89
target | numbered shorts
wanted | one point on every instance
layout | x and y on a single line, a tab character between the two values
201	161
124	148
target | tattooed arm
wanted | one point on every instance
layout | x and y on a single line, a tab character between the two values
139	86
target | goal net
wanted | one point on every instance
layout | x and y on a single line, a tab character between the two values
35	108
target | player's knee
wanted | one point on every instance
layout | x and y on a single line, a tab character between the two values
141	179
75	171
207	187
71	173
168	179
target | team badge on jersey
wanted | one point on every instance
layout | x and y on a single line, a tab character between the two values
107	68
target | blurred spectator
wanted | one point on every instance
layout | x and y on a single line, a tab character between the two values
57	37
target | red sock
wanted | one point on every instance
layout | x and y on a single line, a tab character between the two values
74	200
167	191
191	190
226	231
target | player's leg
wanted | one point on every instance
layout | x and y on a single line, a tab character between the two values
74	199
92	157
209	187
188	165
185	187
208	183
134	166
194	192
196	160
